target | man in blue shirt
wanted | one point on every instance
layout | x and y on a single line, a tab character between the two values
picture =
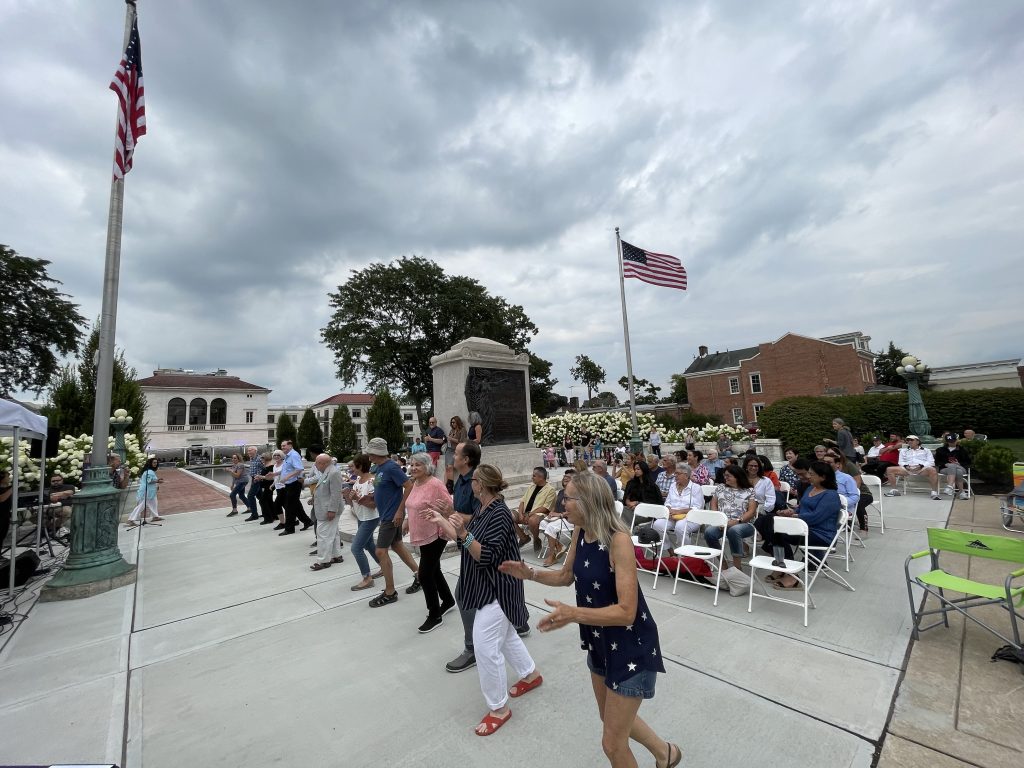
390	486
291	475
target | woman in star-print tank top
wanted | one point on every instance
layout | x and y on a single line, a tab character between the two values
616	627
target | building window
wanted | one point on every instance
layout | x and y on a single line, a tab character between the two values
271	435
175	412
250	417
197	412
408	429
407	416
758	407
734	385
271	419
249	396
218	411
737	415
357	413
755	383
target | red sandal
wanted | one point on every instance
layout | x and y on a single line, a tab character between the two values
491	724
523	687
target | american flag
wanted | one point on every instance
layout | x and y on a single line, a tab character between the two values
653	268
131	119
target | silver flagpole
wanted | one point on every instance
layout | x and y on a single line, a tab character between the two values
108	313
635	443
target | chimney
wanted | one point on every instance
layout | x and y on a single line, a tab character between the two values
702	350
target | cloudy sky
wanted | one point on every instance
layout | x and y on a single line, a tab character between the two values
819	167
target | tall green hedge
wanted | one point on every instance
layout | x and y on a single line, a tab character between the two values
802	422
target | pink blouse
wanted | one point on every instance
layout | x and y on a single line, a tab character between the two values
420	498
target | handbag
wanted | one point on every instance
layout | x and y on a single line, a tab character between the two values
646	534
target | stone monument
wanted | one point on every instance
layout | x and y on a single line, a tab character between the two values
489	378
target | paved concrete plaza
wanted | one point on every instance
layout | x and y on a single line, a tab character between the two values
230	651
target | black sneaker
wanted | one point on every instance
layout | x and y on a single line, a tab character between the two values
384	599
432	623
415	587
446	607
462	662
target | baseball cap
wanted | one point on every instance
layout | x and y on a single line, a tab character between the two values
951	437
913	437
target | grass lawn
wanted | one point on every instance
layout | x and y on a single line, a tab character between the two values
1014	444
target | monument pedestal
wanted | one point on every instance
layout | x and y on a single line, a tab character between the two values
486	377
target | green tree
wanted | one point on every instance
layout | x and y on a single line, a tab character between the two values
886	365
588	373
389	319
384	419
72	396
645	391
343	442
285	429
678	393
543	398
38	323
602	400
310	436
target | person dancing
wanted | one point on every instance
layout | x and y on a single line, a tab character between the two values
616	627
146	494
498	598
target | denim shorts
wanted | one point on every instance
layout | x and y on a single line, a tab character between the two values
639	685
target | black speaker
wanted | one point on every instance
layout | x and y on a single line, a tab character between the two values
52	445
24	567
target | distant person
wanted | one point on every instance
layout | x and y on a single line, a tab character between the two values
255	464
914	460
263	481
360	496
476	428
953	463
389	488
570	451
600	468
844	439
418	446
146	495
654	438
328	503
724	444
292	470
239	472
436	438
118	472
456	434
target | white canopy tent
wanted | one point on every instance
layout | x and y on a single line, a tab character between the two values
20	423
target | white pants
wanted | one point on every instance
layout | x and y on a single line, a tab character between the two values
494	641
328	544
137	512
570	456
554	528
681	528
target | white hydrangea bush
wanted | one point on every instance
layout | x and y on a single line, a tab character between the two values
71	453
616	428
26	468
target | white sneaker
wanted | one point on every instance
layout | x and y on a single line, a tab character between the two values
893	492
948	490
935	495
964	495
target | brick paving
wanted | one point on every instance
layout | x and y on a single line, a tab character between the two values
181	491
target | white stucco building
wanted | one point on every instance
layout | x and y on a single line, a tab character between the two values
995	373
208	411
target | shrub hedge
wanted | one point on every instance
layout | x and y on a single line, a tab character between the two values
994	464
802	422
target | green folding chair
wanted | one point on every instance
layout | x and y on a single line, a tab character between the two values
937	582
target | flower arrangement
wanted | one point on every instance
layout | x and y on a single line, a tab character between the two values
27	468
616	428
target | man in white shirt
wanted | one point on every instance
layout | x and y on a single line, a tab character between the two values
876	447
682	497
914	460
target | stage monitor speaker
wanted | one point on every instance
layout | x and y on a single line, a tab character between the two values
24	567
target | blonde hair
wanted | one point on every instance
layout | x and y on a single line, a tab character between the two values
490	479
597	506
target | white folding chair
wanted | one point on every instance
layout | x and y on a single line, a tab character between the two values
845	532
709	491
792	526
650	512
705	553
785	488
821	553
618	507
874	485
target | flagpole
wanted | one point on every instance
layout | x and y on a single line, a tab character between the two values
108	313
635	443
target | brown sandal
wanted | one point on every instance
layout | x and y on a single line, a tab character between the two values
319	566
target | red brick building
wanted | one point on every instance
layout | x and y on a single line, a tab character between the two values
736	385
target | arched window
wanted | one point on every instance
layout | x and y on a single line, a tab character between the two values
197	412
218	411
175	412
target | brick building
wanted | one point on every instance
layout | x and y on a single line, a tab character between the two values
737	384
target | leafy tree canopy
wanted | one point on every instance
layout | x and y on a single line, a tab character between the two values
543	398
286	429
389	319
678	393
310	436
886	365
602	400
38	323
645	391
72	395
384	419
343	441
588	373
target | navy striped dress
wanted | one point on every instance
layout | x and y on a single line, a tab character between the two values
480	582
621	651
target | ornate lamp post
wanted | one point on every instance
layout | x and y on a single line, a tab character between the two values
95	564
120	421
913	370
